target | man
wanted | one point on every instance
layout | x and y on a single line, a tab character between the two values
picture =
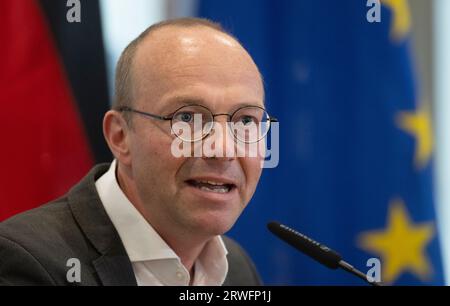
151	217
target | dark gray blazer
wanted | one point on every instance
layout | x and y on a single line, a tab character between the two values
36	245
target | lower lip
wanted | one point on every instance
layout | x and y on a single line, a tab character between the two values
213	196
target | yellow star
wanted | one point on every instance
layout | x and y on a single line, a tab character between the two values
419	125
401	18
401	245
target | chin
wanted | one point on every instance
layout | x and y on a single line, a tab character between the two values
213	225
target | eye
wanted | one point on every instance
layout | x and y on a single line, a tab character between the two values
246	120
185	117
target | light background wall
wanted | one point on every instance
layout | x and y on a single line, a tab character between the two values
440	80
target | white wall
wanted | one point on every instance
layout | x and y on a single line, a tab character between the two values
442	121
124	20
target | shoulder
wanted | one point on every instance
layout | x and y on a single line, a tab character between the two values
37	224
36	247
30	242
52	227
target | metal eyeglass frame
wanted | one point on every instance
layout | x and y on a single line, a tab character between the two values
171	116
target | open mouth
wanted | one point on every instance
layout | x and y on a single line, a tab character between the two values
211	186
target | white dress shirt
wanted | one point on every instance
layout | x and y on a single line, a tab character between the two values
154	262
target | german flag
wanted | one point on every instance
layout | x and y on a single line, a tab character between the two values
53	94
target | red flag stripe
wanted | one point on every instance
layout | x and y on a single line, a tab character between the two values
43	146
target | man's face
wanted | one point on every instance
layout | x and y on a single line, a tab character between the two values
178	67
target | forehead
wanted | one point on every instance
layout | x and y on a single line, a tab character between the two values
177	61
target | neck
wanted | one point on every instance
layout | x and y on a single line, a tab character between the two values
187	245
187	251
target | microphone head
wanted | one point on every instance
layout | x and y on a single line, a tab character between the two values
306	245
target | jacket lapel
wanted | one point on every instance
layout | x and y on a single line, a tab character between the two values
115	270
113	265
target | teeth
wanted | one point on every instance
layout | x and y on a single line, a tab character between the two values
217	190
212	183
212	186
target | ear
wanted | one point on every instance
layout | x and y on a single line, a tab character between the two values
116	132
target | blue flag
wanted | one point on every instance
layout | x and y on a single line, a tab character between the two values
356	140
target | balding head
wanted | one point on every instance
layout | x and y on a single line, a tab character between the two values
169	45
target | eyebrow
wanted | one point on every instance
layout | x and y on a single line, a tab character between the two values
175	103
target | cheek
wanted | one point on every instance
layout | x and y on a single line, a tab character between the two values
252	171
154	161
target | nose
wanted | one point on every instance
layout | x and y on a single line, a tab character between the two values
219	142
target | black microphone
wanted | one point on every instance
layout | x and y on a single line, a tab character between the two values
314	249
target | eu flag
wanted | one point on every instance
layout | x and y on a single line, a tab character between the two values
356	139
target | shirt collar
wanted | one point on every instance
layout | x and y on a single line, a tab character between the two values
142	242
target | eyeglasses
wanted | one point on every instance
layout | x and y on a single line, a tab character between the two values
191	123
